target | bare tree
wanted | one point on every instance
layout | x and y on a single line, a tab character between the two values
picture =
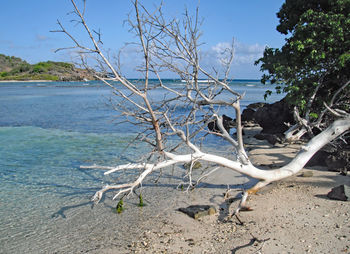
174	45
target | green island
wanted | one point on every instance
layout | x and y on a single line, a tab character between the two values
16	69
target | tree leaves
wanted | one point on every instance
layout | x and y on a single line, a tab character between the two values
317	50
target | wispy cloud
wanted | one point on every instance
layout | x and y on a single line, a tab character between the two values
210	59
243	53
40	37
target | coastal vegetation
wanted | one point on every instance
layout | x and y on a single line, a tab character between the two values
174	45
14	68
314	63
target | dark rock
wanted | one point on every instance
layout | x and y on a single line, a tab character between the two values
259	136
272	117
197	211
271	138
334	163
256	105
227	122
341	192
330	149
318	159
248	115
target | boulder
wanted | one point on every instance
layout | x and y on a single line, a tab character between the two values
248	115
272	117
318	159
341	192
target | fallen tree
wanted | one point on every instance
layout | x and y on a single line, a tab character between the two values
173	45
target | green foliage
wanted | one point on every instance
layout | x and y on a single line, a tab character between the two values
14	68
317	50
141	204
26	76
9	62
313	115
120	206
49	65
3	74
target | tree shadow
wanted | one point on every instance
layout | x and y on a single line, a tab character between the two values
62	210
251	242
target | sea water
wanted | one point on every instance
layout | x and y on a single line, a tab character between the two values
47	130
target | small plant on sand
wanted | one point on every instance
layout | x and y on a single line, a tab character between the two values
120	206
141	204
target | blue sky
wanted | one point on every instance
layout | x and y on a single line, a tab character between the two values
25	28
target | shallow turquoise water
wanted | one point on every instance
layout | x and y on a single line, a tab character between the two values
47	130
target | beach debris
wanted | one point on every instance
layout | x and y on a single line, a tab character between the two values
307	174
341	192
198	211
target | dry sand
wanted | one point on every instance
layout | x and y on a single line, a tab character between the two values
290	216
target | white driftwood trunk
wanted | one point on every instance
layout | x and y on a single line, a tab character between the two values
294	133
293	167
265	176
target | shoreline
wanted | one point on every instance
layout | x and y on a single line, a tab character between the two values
25	81
289	216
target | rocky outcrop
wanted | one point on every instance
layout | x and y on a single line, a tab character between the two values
248	115
273	117
335	158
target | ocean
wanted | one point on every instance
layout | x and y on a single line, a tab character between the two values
47	130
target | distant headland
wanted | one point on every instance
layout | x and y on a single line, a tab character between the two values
15	69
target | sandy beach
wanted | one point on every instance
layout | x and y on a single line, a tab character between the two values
289	216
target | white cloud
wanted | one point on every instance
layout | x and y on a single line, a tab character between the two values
220	47
242	67
243	62
243	53
247	54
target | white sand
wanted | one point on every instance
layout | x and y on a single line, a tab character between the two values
290	216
